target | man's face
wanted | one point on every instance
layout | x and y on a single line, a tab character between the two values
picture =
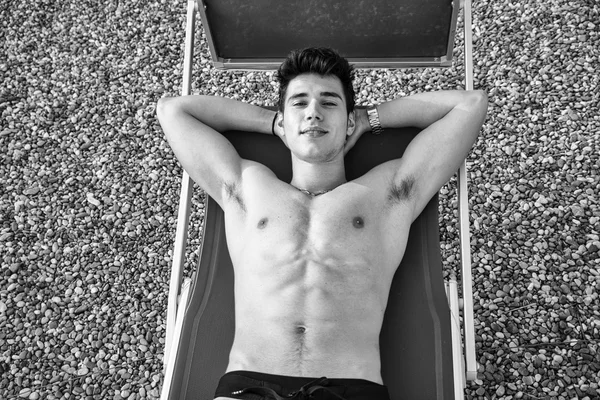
315	122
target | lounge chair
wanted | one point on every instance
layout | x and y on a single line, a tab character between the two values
423	356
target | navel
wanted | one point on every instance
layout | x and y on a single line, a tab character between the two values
358	222
262	223
300	330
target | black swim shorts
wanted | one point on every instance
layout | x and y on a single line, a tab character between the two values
249	385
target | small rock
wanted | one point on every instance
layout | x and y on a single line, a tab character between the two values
557	359
512	328
500	391
90	198
81	308
31	191
14	267
577	211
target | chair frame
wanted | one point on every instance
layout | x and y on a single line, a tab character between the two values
465	364
272	64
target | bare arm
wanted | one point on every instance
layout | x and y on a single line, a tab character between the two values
424	109
451	121
192	125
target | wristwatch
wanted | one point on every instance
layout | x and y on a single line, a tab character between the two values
374	120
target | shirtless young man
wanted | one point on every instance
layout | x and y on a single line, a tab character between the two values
314	258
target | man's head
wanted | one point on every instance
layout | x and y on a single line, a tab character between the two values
316	104
320	61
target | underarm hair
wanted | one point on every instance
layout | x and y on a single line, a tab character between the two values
401	191
232	191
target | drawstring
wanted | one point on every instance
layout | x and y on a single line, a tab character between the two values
305	392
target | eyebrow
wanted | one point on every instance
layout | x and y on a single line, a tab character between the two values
322	94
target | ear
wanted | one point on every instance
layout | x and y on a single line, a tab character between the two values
351	124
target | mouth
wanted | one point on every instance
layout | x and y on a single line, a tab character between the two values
313	131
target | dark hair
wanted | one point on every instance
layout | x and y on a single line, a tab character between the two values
316	60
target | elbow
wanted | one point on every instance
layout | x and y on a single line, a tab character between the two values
167	109
177	104
477	97
163	106
476	101
480	99
482	102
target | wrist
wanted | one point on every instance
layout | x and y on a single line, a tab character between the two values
267	121
273	124
374	122
362	118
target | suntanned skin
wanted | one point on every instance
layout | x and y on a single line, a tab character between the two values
312	274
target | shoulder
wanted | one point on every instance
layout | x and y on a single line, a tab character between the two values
254	178
255	173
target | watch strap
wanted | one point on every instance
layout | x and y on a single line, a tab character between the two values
374	121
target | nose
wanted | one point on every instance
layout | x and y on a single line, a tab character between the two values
313	112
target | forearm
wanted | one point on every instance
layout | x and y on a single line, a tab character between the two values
223	114
423	109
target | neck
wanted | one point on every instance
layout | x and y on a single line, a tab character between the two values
317	177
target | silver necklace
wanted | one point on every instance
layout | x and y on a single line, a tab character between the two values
313	194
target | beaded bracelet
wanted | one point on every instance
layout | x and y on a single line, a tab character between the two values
273	124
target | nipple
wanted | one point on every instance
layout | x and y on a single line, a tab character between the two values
358	222
262	223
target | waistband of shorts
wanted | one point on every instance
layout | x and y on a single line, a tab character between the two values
297	381
354	388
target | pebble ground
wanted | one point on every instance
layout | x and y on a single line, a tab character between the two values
89	192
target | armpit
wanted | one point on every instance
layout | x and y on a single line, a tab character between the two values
401	190
232	192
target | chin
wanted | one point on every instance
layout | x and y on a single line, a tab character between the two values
321	157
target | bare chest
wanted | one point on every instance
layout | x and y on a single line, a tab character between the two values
317	225
338	228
